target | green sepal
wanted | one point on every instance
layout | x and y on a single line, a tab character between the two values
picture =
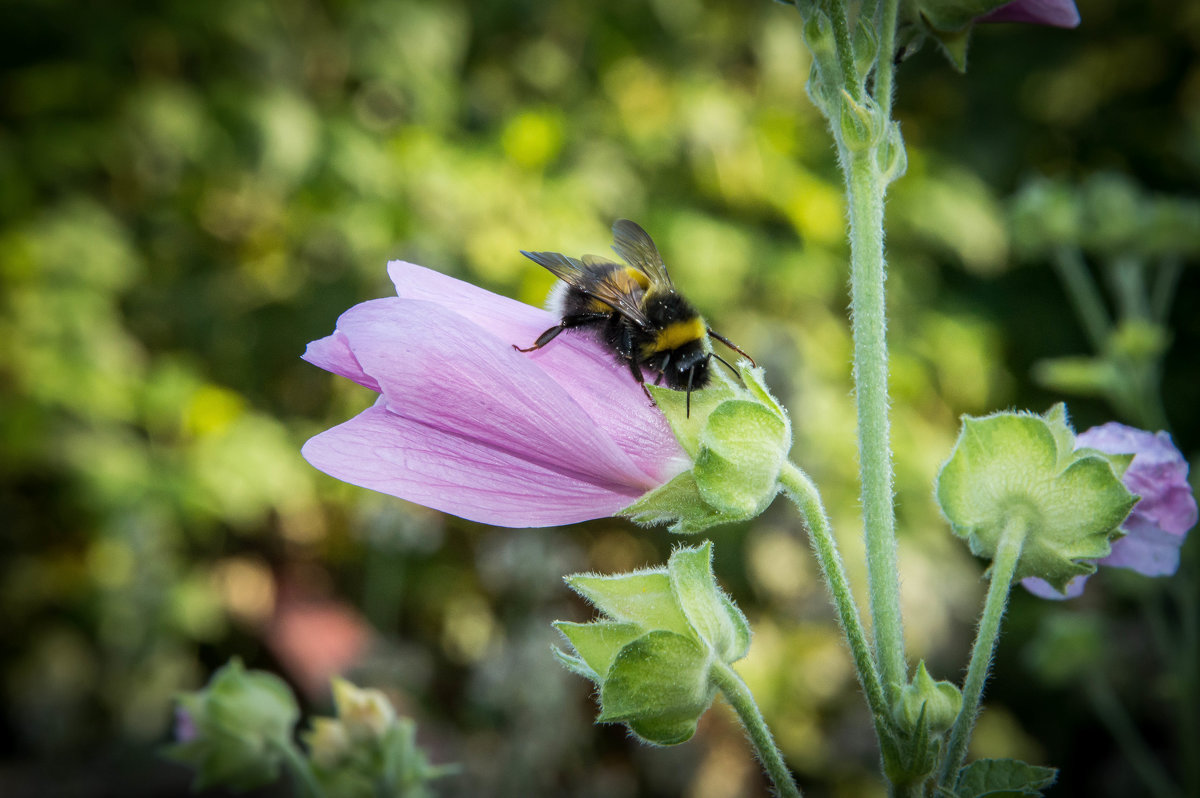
658	684
860	123
737	437
679	504
910	754
1025	468
687	420
742	449
643	598
953	44
1003	778
239	721
651	652
596	644
715	618
951	15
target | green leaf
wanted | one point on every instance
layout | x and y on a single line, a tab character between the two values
711	614
644	598
1003	778
659	684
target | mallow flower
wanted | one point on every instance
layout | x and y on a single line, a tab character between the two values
1156	527
1058	13
467	425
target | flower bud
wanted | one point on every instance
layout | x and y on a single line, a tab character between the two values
232	731
925	701
651	651
1024	469
860	124
366	714
737	438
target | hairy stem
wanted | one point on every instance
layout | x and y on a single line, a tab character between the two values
865	186
1004	567
885	68
742	701
800	489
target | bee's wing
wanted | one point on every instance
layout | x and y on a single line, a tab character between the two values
592	278
636	247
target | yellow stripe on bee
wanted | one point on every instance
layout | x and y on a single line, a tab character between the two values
678	333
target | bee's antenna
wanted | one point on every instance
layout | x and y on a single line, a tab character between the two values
731	345
726	362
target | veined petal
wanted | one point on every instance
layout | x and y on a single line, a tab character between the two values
439	369
333	353
437	468
576	360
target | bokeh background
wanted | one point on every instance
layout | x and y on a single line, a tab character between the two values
189	192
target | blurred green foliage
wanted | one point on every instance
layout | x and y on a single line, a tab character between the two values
190	192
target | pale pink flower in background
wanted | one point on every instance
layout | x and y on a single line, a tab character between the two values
1058	13
1159	523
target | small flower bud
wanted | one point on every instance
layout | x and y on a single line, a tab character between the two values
366	714
934	703
651	651
860	124
328	742
232	731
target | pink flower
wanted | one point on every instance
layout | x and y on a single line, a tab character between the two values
1156	528
467	425
1059	13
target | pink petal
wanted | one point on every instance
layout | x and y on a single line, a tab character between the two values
576	360
439	369
333	354
472	479
1043	589
1058	13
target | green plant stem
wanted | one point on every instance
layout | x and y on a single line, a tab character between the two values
302	773
803	493
740	698
1108	708
845	48
1084	295
885	67
1004	567
865	187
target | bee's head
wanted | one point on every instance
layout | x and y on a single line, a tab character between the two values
691	371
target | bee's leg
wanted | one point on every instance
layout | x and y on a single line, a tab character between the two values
731	345
662	371
636	371
580	320
691	373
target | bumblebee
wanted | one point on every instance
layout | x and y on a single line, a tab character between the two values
640	316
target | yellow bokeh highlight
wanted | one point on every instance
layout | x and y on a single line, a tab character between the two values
212	410
533	139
